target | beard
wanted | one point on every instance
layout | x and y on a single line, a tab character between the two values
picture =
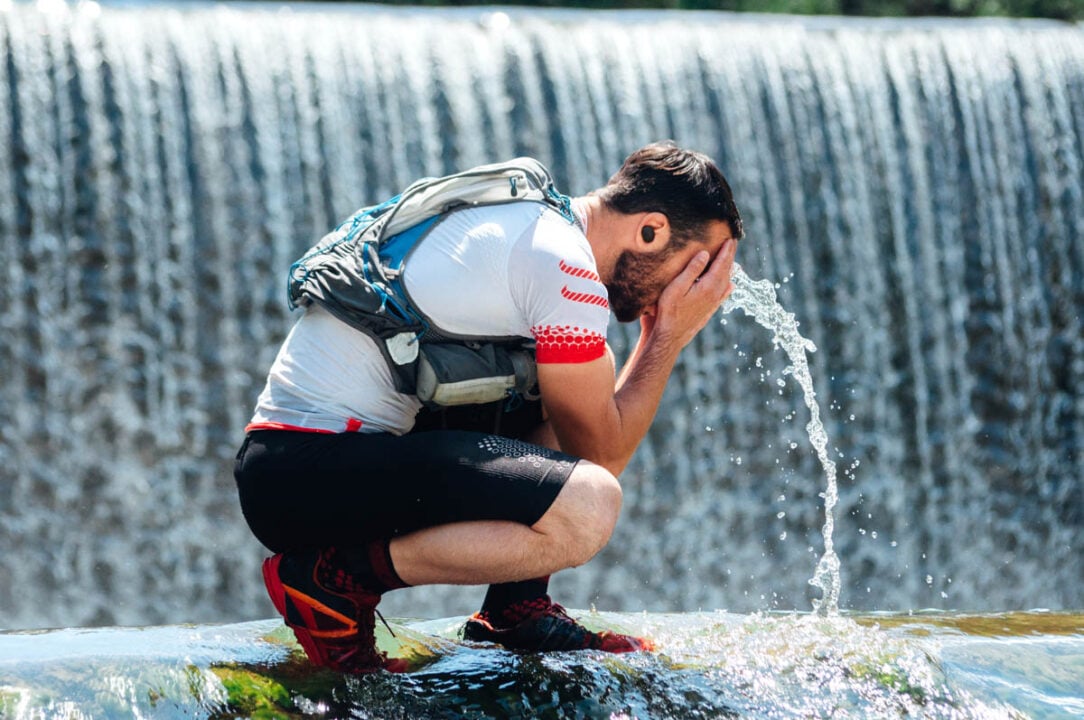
634	286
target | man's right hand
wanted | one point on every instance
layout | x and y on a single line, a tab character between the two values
691	299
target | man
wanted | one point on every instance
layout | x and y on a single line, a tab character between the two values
360	490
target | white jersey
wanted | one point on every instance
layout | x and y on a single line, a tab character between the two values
513	270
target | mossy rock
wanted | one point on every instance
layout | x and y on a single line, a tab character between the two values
273	691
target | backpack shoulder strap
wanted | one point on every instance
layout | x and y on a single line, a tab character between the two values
523	178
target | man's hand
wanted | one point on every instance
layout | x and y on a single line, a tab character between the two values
691	299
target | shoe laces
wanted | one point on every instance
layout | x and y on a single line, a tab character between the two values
533	608
385	623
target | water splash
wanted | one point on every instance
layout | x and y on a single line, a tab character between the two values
757	299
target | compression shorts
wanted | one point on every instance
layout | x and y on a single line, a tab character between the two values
310	490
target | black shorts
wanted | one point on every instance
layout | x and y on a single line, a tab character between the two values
305	489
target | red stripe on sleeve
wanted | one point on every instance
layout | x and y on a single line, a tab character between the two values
567	344
579	272
587	298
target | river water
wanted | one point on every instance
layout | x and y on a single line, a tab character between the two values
708	665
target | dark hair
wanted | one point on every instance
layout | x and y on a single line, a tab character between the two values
684	185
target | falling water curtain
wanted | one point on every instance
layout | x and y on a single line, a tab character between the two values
914	188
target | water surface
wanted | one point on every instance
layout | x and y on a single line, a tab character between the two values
708	665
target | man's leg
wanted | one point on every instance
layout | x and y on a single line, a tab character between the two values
460	508
505	600
495	510
520	613
516	560
328	596
575	527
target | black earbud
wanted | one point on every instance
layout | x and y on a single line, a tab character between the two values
648	233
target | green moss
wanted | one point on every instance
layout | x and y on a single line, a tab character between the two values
255	695
260	691
894	678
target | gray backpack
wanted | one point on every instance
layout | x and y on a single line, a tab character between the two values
355	273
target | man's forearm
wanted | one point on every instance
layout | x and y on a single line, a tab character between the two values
639	391
611	437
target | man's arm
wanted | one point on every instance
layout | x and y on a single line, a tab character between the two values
603	421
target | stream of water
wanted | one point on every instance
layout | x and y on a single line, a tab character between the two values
757	298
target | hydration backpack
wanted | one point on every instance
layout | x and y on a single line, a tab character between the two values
355	272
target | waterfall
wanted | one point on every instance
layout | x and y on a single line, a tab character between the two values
913	188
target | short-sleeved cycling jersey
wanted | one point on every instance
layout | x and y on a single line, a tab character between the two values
518	269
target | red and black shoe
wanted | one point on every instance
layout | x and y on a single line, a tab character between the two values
542	625
332	616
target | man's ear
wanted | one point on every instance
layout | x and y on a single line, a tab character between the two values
654	232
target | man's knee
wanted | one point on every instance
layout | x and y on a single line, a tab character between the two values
582	518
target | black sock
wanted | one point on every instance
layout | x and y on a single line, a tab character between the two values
502	596
369	566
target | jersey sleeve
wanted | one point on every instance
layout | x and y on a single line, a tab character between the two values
558	289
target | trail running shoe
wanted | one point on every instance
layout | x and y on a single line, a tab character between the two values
331	615
545	626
